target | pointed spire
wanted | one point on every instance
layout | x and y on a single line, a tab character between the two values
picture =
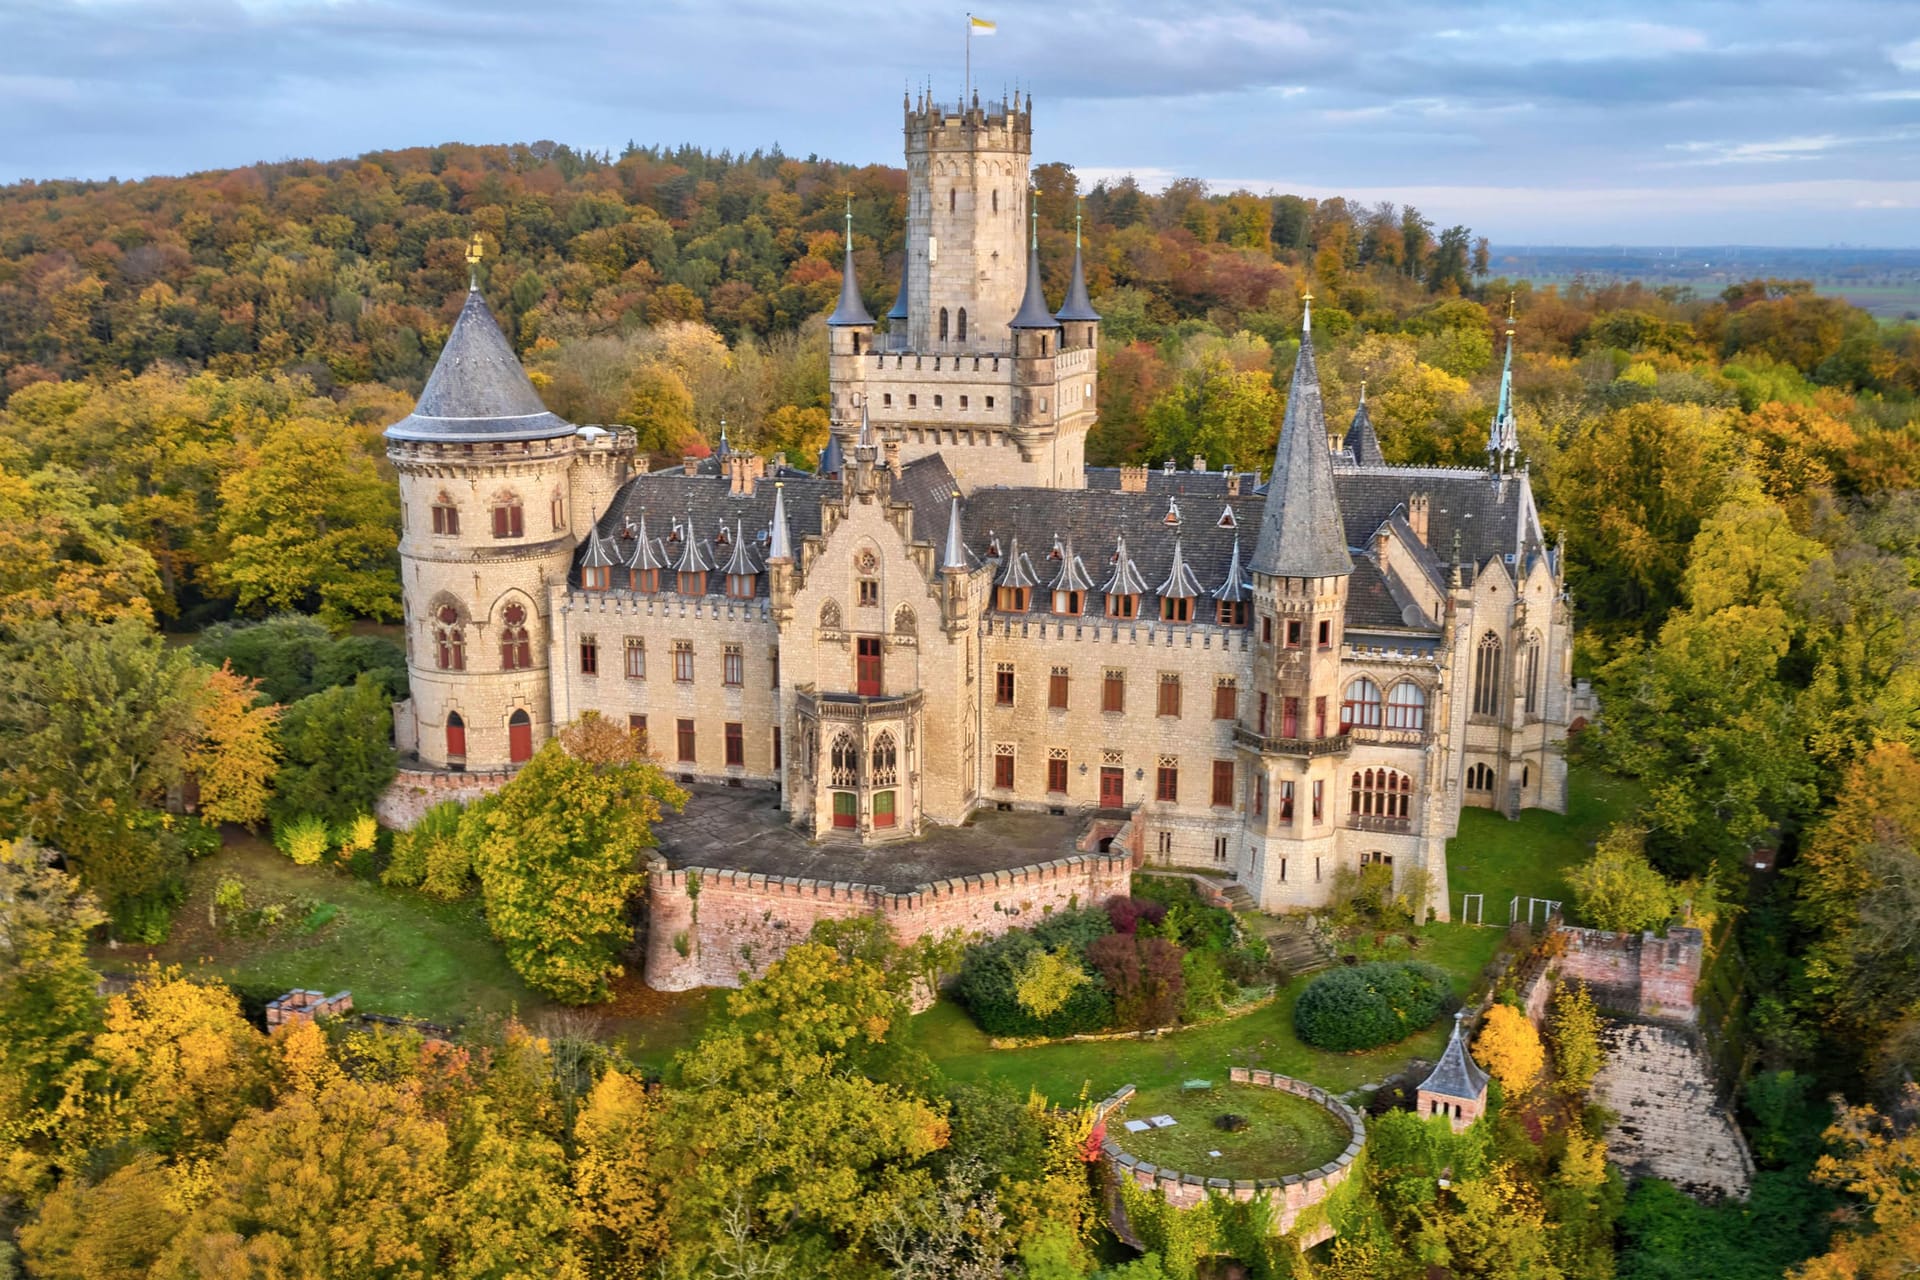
1236	587
1361	442
725	448
1457	1075
692	559
1073	574
1077	307
866	440
1301	534
599	555
1033	312
851	311
740	564
1180	579
1016	570
644	555
954	560
897	314
832	460
1503	436
478	392
1125	580
781	547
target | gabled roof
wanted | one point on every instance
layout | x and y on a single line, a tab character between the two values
1300	532
1180	580
477	390
1458	1075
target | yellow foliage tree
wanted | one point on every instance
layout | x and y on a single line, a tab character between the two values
115	1230
1047	981
1510	1048
617	1197
1877	1161
238	751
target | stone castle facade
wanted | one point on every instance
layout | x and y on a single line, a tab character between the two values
1274	681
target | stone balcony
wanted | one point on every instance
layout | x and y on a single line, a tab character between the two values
1374	822
844	707
1336	745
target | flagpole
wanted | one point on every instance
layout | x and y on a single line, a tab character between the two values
966	88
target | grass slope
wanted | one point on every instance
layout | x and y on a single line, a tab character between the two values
1531	857
1262	1038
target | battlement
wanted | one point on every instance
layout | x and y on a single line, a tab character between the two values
937	126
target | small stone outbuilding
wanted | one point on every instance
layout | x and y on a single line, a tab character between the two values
1457	1088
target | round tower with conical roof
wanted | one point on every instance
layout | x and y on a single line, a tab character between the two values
493	488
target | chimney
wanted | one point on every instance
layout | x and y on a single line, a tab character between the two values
759	465
1233	483
1417	515
1133	479
689	464
740	474
780	461
1199	462
892	446
642	464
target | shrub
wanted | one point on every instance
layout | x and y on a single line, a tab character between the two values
433	856
1127	914
305	840
990	974
1046	981
356	835
1206	985
1369	1005
1510	1049
1145	977
1188	921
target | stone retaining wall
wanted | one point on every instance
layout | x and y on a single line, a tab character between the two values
414	791
1645	974
1289	1196
708	927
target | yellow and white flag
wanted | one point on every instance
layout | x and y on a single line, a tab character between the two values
980	26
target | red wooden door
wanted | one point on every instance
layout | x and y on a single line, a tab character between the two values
456	736
1113	787
866	671
520	738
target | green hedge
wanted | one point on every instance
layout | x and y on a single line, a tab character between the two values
1369	1005
986	984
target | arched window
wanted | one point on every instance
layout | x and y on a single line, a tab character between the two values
943	324
1480	778
1406	706
508	519
886	760
446	516
456	736
516	647
1532	691
845	762
449	641
960	330
1381	793
1362	705
1486	676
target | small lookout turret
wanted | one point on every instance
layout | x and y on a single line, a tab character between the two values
1457	1088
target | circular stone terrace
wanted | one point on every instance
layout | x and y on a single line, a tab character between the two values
1257	1133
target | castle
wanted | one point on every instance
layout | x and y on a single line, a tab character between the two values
954	613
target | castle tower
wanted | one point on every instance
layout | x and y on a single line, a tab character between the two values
492	488
966	223
1300	568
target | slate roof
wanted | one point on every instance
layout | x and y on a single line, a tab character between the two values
1458	1075
1362	444
477	391
1033	313
1300	531
1370	601
1078	306
852	310
1491	514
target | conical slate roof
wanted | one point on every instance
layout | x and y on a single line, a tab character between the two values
1018	570
955	555
692	559
1361	442
1180	579
1125	579
1301	535
1458	1075
599	553
832	460
898	312
740	564
1033	312
645	554
478	391
1073	574
1077	306
782	537
851	310
1236	587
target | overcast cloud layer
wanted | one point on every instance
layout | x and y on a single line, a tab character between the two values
1688	123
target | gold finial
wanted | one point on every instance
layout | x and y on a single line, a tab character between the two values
476	250
1509	306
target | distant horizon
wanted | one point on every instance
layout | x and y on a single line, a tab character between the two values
1684	123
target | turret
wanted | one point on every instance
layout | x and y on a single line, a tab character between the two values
1362	445
966	212
849	337
1503	436
1079	322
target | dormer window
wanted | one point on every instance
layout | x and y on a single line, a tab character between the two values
646	580
1232	613
1123	606
1176	608
691	584
1069	604
1227	520
1012	599
596	578
509	521
740	586
446	516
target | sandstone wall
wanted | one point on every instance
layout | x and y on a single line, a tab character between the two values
709	928
1644	975
414	791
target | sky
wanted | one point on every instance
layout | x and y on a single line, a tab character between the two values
1534	122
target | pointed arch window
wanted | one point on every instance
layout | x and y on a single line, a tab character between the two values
960	330
886	760
1361	706
1406	706
943	324
1486	676
844	762
1533	676
1381	793
456	737
449	639
509	519
446	516
516	646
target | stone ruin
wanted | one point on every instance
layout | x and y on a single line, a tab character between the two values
304	1006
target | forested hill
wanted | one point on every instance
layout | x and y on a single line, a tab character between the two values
351	270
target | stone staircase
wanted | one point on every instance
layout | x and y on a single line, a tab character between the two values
1296	949
1671	1122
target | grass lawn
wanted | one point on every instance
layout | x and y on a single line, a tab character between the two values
1284	1134
1531	857
1261	1038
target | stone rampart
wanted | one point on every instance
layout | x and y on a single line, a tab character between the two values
1289	1196
1645	975
708	927
414	791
